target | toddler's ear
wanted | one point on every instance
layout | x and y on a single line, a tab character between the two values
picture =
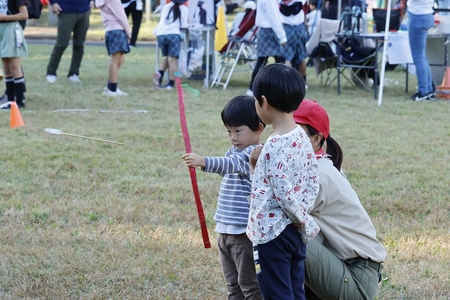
261	127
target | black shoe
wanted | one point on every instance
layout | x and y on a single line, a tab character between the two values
419	97
432	96
19	105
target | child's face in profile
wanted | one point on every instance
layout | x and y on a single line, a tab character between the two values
242	136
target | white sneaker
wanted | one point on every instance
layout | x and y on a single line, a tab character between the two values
51	78
109	93
120	93
74	78
249	93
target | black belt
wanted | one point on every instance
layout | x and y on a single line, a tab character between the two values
359	260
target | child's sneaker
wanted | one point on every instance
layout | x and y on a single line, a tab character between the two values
167	87
156	78
109	93
121	93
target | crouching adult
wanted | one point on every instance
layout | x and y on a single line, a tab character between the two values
345	260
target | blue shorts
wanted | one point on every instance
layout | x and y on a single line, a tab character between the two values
169	44
116	41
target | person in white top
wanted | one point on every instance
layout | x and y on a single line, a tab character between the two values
344	260
249	7
313	17
134	8
174	18
285	184
270	38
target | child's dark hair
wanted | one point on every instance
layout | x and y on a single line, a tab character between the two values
333	147
283	87
176	12
240	111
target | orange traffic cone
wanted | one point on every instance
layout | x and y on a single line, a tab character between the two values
446	79
443	91
16	118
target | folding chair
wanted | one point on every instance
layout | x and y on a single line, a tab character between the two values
321	47
237	50
357	54
359	61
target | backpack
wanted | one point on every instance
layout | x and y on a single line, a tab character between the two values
34	8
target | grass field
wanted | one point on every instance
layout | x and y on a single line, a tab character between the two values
86	220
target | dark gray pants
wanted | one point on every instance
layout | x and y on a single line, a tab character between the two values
327	277
68	23
236	255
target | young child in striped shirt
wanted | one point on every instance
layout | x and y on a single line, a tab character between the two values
236	251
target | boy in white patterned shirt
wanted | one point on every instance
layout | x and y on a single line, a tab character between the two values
236	250
285	184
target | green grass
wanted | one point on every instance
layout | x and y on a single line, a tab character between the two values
86	220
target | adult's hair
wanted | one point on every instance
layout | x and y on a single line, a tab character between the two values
241	111
314	2
176	12
283	87
333	147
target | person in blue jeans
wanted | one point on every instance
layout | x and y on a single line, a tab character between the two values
420	16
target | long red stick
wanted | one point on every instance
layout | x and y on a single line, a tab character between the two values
193	174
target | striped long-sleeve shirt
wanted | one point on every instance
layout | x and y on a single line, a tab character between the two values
232	204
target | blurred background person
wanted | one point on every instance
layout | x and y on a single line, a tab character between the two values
249	8
134	8
12	48
73	17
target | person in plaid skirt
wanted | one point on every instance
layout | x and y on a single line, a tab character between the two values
117	35
293	18
270	38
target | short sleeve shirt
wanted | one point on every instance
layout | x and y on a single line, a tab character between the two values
10	7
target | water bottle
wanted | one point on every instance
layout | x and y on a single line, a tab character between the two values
19	38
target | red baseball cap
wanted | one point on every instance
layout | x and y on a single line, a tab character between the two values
311	113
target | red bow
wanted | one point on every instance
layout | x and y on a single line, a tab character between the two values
193	174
